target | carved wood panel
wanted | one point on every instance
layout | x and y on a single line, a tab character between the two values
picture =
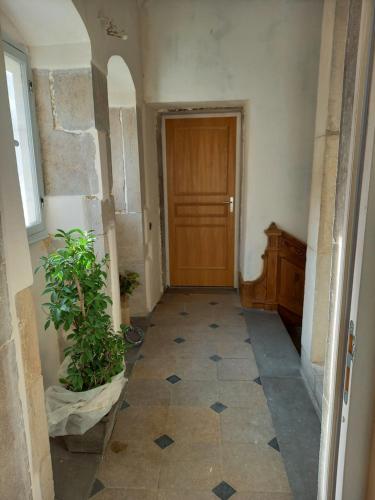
281	284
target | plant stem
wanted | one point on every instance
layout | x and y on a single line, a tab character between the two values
81	297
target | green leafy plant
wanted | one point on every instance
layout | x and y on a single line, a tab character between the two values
78	303
129	281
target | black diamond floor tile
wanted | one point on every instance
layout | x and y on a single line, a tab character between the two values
213	326
179	340
258	381
218	407
96	487
213	303
274	444
164	441
248	341
173	379
216	357
184	313
124	405
223	491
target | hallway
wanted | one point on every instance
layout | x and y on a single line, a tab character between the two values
195	423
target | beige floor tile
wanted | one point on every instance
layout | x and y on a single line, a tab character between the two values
196	368
170	319
137	466
171	332
193	425
262	496
228	334
142	392
189	451
190	475
241	394
126	494
145	423
231	320
185	495
152	367
156	346
237	369
250	467
234	349
199	348
243	425
194	393
208	447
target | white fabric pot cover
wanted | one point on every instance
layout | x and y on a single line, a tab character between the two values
71	412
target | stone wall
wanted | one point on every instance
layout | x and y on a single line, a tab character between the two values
65	112
127	199
322	197
13	449
72	115
25	462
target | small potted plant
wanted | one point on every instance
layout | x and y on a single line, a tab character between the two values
129	281
92	373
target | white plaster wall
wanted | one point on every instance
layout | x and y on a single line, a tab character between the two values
121	90
152	231
125	15
264	53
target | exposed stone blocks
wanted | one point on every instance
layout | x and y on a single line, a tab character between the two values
14	478
72	99
67	139
127	198
34	393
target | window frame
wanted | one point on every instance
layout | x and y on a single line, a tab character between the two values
36	232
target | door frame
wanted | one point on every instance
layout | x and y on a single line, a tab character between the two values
337	460
207	113
356	417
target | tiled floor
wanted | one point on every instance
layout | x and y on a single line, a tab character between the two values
196	424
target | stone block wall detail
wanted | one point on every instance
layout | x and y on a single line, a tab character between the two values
127	198
323	197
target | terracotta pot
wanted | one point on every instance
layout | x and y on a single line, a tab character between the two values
125	310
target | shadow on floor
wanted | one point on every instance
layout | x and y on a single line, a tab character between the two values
74	473
295	420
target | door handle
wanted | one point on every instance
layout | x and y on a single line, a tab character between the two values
230	203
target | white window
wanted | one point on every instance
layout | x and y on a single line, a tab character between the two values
19	83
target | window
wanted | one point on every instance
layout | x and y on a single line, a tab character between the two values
25	139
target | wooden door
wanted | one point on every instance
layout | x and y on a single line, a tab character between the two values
201	163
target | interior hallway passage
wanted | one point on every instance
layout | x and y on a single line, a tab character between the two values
195	422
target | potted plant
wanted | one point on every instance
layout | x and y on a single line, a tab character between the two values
92	374
129	281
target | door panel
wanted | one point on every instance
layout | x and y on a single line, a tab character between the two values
201	161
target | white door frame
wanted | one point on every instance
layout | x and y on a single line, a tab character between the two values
238	172
357	411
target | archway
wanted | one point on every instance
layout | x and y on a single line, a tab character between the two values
126	188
